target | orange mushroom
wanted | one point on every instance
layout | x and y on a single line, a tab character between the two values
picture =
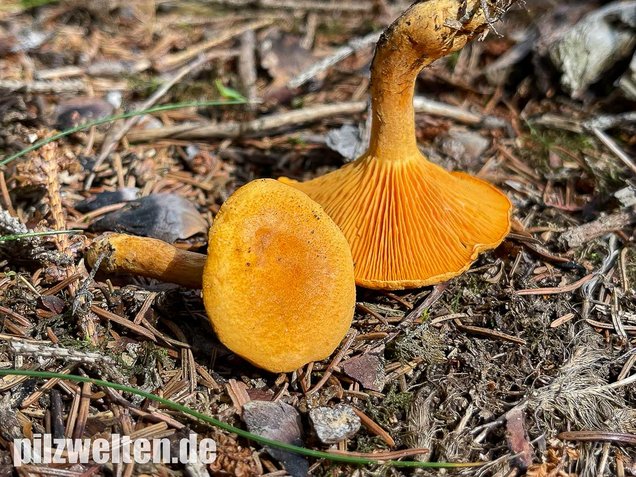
278	283
409	222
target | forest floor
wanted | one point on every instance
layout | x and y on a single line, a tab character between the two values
522	364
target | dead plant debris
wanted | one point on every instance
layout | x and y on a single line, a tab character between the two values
524	363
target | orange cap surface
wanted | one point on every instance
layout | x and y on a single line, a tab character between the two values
278	283
409	222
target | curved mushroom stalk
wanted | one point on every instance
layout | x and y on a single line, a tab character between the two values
409	222
427	31
276	265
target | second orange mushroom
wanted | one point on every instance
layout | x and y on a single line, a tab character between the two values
409	222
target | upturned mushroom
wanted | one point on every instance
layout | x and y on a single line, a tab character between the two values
409	222
277	266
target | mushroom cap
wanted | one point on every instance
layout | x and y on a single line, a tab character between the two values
278	283
409	222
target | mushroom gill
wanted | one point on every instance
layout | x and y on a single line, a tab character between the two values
409	222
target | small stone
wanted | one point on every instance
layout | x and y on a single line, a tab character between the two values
80	110
103	199
114	98
367	369
167	217
346	140
464	144
334	424
626	196
590	48
281	422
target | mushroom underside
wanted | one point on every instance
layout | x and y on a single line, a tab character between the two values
409	222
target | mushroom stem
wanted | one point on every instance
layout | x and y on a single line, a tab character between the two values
147	257
428	30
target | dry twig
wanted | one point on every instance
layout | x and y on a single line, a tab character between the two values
292	119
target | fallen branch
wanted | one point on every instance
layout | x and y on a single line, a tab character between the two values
488	333
577	236
267	124
299	5
46	350
44	87
172	61
599	436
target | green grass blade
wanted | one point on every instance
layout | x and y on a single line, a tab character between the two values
82	127
7	238
227	92
235	430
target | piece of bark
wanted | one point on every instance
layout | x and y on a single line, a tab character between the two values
367	369
517	437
